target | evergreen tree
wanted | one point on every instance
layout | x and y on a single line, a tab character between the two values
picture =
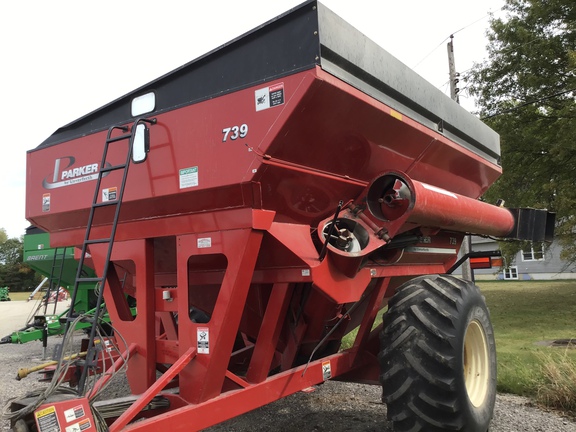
13	272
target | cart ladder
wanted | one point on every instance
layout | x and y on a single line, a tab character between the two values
55	279
109	200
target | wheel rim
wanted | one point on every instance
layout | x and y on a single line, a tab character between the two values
476	363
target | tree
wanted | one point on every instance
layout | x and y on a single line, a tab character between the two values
13	273
525	91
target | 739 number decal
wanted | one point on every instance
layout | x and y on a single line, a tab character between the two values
235	132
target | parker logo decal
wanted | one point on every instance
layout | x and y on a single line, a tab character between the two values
66	173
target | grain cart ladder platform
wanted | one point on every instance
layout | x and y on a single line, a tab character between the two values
296	181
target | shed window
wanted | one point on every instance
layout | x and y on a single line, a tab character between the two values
535	253
511	273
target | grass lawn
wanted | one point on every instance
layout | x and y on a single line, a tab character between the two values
524	313
15	296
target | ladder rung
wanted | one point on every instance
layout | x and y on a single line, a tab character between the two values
119	138
90	360
112	168
89	279
105	204
97	241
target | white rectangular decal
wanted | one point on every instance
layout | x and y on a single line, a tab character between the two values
109	194
269	97
80	426
204	242
203	340
188	177
46	202
74	413
422	249
326	370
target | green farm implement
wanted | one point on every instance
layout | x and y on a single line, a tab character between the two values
4	294
59	267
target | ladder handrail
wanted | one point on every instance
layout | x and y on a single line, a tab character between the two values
61	270
129	133
53	279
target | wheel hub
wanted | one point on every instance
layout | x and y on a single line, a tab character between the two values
476	363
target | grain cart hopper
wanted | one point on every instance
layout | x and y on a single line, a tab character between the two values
283	189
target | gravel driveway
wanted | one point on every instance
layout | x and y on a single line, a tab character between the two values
333	406
13	314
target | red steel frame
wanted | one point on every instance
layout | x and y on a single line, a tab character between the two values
235	249
202	378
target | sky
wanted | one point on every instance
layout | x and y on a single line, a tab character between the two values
60	60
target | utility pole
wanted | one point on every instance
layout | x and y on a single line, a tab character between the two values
466	247
454	76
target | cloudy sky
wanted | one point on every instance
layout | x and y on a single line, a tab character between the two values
63	59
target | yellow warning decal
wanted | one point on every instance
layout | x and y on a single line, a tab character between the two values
44	412
396	114
47	420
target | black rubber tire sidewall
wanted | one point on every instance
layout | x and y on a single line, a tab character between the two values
457	303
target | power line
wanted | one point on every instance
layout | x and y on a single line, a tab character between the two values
471	24
448	37
430	53
528	103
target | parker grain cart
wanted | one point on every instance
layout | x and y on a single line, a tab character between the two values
265	200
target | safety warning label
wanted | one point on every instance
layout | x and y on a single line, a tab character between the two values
269	97
80	426
109	194
46	202
188	177
47	420
205	242
326	370
203	340
74	413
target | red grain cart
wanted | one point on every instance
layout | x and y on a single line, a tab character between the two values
282	189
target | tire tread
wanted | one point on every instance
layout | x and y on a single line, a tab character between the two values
418	356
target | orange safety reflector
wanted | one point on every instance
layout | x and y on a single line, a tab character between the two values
497	262
481	263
